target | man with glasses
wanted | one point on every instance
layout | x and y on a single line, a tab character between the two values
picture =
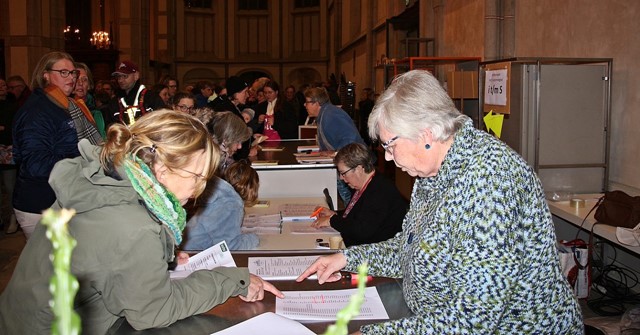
19	88
335	128
133	100
172	84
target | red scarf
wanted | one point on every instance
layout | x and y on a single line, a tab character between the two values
356	196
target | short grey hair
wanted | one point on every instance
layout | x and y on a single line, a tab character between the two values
227	128
354	154
415	101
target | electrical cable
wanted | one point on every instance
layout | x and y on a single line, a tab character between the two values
614	284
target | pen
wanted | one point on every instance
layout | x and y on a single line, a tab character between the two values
353	277
315	214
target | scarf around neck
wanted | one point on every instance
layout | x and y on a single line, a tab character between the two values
82	120
158	200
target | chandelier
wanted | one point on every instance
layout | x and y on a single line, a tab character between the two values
100	40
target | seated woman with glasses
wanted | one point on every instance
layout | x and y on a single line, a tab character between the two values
376	209
184	102
219	216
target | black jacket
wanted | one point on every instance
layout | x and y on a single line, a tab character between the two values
376	217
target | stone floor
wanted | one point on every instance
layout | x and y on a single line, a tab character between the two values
10	247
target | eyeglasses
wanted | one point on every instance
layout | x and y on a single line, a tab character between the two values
121	76
66	73
309	102
185	108
386	144
196	176
342	174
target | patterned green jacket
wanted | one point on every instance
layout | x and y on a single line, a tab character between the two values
477	252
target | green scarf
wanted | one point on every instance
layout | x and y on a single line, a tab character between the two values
162	203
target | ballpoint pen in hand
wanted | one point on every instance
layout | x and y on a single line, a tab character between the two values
315	214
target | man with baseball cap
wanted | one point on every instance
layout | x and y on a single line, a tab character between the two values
133	100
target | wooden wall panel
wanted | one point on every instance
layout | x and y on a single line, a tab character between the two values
199	34
252	36
305	33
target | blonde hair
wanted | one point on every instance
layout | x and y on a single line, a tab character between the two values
165	136
44	64
244	180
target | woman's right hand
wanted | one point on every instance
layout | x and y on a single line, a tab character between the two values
322	218
256	289
326	267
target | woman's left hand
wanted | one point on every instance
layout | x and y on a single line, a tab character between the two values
253	151
182	258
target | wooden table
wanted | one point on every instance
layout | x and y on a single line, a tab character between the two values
575	216
235	310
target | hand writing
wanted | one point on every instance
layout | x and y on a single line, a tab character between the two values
323	218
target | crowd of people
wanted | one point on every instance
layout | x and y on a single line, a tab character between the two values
475	248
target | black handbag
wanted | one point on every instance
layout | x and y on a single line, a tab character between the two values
618	209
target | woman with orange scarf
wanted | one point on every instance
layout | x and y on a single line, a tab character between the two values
46	129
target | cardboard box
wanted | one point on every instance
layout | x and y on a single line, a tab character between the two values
462	84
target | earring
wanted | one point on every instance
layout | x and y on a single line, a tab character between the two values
427	146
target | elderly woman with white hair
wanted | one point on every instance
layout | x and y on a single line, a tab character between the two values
477	250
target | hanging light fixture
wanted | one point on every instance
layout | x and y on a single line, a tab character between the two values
100	40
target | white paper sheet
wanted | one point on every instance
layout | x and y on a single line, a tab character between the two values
280	268
324	305
262	220
301	229
297	212
217	255
261	230
267	324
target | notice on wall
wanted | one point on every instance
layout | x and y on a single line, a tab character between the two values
495	84
497	77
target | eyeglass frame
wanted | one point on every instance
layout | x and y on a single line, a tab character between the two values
386	145
185	108
309	102
198	177
73	73
342	174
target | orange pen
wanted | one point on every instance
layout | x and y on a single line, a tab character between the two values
315	214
